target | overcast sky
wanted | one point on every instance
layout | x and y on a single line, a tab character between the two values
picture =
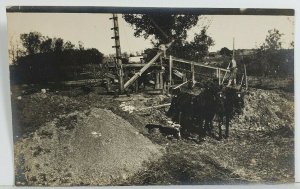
94	29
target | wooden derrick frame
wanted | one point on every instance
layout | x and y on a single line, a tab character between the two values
192	70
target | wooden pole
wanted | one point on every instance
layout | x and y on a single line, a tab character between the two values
197	64
181	85
170	71
246	78
118	52
219	76
156	79
161	80
242	79
193	72
144	68
224	77
158	106
233	53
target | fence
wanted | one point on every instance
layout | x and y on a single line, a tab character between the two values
193	70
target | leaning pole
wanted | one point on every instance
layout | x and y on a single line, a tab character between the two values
118	52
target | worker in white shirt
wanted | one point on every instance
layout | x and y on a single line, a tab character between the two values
233	72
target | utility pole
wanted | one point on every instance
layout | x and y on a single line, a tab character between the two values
233	53
118	52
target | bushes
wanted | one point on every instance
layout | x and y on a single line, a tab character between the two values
51	60
279	63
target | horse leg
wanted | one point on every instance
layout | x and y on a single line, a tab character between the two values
182	126
220	122
211	127
227	127
206	126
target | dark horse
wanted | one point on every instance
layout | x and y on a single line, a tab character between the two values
230	102
195	113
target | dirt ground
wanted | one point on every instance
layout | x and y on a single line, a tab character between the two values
60	139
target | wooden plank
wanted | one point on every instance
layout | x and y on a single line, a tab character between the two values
178	73
110	75
242	79
118	52
193	72
145	67
170	71
142	70
180	85
157	86
198	64
158	106
137	65
161	79
81	82
246	78
219	76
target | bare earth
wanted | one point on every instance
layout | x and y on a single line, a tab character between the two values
71	138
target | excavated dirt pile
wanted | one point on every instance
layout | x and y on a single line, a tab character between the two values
266	111
94	147
91	139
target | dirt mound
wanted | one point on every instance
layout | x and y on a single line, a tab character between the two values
266	110
93	147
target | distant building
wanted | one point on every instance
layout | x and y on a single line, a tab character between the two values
136	60
245	52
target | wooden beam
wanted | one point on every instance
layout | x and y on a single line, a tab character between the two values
157	86
142	70
242	79
158	106
193	72
198	64
170	71
146	66
110	75
219	76
246	78
161	79
137	65
180	85
118	52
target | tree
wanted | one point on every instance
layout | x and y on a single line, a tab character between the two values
292	44
46	45
68	45
149	54
58	44
80	45
12	51
50	59
165	26
31	42
195	50
93	56
273	40
269	58
160	24
226	52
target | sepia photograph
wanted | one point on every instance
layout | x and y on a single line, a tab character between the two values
109	96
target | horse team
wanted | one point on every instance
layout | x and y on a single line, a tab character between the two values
197	113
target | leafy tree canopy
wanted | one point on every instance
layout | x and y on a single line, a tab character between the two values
225	52
195	50
273	40
31	42
160	24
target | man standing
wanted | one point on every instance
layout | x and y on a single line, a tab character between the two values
233	72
